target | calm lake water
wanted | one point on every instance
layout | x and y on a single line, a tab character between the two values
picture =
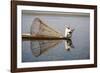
80	38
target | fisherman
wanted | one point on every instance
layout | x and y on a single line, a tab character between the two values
68	32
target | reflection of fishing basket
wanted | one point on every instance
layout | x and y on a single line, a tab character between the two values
38	47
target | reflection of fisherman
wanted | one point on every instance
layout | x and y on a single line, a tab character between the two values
68	44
